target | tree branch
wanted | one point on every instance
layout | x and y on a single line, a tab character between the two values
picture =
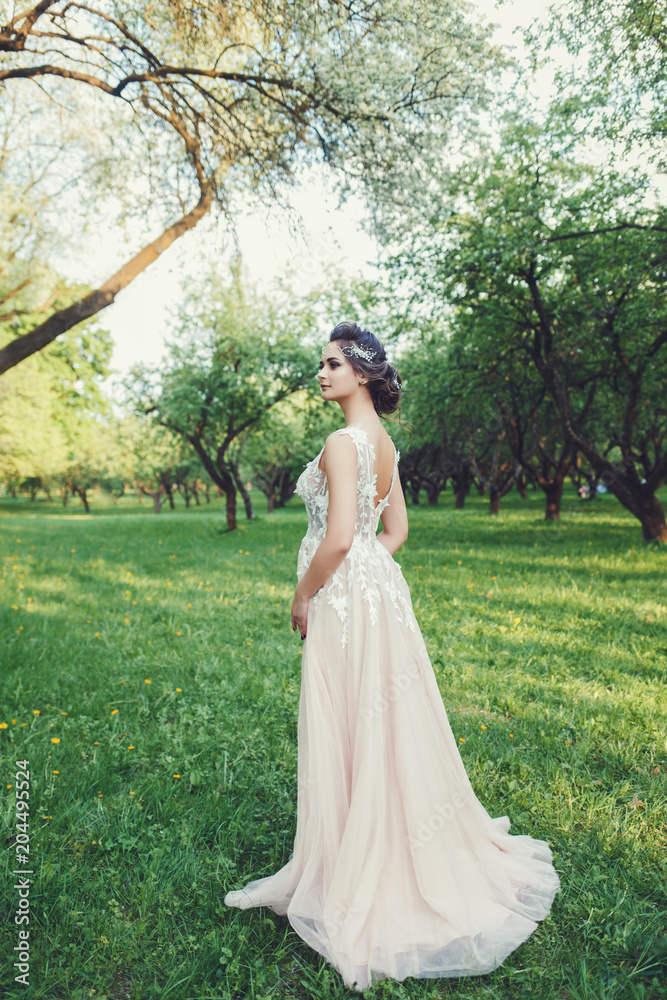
22	347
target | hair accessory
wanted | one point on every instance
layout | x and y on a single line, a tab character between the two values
361	352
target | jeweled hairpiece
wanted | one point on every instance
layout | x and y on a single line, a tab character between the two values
361	352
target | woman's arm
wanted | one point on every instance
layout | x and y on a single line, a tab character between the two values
340	464
394	520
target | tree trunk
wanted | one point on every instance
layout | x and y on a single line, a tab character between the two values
247	502
170	495
462	484
554	494
432	494
522	487
231	509
651	515
462	491
494	502
270	503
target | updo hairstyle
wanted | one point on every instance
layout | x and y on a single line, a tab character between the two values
384	382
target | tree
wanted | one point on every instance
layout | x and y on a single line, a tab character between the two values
281	443
227	98
239	354
560	268
621	94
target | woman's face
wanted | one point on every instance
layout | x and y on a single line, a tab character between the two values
336	376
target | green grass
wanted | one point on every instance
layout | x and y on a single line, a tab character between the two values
552	637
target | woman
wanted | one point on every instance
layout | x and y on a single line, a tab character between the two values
397	868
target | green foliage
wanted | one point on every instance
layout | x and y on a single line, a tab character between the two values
620	92
562	664
53	412
555	273
236	355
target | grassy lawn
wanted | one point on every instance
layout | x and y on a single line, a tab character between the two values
151	679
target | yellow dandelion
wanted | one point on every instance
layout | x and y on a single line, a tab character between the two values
132	748
179	690
147	681
177	775
511	735
55	772
127	621
461	740
3	725
189	605
133	793
149	598
95	744
36	711
14	722
483	727
97	634
179	633
115	711
55	739
15	607
63	713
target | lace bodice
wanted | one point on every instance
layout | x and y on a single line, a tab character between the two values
368	561
312	488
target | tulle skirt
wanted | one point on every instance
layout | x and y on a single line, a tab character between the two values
397	869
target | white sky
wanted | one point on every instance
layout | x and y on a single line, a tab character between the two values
140	319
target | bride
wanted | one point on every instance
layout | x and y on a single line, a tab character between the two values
397	869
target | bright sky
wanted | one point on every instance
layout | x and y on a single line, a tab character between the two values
140	319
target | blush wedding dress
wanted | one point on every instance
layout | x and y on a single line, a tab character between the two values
397	868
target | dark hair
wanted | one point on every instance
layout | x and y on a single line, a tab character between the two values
384	382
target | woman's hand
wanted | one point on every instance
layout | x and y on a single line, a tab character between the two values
300	613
